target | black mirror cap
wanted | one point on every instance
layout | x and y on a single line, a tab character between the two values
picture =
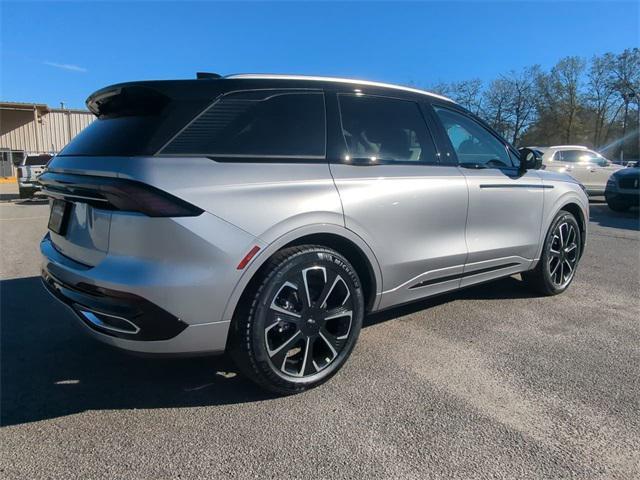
530	159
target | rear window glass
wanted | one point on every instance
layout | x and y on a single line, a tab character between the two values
32	160
258	123
134	122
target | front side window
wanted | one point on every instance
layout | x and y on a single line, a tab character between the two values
259	123
473	143
385	129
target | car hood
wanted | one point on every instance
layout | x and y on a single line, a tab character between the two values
627	172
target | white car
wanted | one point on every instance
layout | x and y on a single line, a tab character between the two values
27	173
590	168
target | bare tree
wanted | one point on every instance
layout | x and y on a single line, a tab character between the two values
626	70
523	100
601	94
468	93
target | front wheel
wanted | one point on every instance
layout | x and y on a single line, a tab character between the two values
617	205
303	321
560	256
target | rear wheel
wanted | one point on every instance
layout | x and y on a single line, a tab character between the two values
303	321
560	256
25	193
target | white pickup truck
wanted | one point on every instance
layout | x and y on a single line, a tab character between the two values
28	171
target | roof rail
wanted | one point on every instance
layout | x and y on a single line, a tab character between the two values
334	79
580	147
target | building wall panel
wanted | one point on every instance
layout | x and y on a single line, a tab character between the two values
53	130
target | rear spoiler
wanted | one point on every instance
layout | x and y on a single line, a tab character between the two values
126	101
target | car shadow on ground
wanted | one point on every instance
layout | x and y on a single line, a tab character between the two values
601	214
50	368
8	196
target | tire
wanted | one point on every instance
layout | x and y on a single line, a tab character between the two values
617	205
560	257
300	321
24	193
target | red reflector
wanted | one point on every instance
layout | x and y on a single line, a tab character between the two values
247	258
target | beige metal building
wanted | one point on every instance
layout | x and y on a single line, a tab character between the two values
27	128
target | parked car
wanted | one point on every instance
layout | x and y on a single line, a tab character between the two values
590	168
622	190
265	215
27	172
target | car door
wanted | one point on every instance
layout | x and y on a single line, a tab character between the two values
575	164
409	207
505	205
599	169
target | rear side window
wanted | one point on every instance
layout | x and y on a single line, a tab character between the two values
255	124
386	129
577	156
571	156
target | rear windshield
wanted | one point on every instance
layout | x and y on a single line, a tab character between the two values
133	121
33	160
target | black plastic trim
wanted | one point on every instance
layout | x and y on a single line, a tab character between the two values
458	276
154	322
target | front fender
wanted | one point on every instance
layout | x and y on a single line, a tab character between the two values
554	202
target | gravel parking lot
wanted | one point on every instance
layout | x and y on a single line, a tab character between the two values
490	382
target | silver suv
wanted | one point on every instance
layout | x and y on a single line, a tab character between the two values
266	215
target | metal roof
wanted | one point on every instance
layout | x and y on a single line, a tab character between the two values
38	106
274	76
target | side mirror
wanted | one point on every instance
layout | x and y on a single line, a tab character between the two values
529	159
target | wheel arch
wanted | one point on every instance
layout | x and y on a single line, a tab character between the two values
575	209
337	237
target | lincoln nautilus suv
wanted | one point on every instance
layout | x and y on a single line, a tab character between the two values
266	215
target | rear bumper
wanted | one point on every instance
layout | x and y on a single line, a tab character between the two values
123	319
113	313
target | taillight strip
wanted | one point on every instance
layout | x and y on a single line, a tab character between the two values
116	194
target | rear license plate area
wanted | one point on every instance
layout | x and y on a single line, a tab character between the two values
59	216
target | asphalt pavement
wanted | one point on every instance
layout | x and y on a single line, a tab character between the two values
489	382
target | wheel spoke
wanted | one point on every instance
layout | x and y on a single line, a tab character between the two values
305	281
571	236
332	281
568	265
571	248
278	308
284	344
331	341
306	362
554	269
560	234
